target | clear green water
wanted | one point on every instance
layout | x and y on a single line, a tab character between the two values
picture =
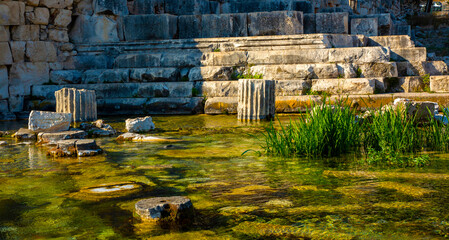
235	197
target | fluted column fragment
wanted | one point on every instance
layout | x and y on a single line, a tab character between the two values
81	103
256	99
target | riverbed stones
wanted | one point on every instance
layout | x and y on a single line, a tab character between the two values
256	99
53	138
98	129
42	121
25	135
422	111
81	103
134	137
75	147
136	125
176	210
108	191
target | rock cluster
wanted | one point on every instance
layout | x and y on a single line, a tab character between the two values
75	147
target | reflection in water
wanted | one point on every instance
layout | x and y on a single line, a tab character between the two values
235	196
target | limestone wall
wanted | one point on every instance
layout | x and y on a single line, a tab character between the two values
33	41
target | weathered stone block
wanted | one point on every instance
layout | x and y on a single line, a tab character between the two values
25	33
210	73
364	26
224	25
345	86
62	18
66	77
56	3
39	16
4	34
213	89
154	75
12	13
40	121
332	22
91	29
439	84
188	59
116	7
58	35
147	7
297	71
89	62
302	6
309	23
106	76
418	54
3	82
136	125
275	23
25	74
5	56
41	51
221	105
359	55
138	60
190	7
421	68
189	26
391	41
147	27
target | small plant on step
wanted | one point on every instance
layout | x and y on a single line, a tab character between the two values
195	92
359	73
216	50
426	82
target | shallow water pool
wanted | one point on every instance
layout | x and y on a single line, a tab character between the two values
235	196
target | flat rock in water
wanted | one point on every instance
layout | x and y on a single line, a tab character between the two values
53	138
98	129
108	191
42	121
25	135
175	210
75	147
143	138
3	143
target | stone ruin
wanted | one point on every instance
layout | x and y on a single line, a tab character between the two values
184	57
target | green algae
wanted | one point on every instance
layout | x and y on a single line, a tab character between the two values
235	196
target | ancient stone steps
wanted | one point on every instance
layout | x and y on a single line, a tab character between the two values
137	105
295	104
254	43
122	90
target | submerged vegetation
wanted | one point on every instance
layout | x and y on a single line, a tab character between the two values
387	137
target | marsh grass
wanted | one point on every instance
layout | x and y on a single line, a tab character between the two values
327	131
387	137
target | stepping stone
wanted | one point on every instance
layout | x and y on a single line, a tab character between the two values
3	143
25	135
75	147
166	210
108	191
134	137
53	138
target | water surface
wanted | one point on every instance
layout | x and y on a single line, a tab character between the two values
235	196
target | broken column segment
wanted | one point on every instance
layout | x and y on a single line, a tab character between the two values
256	99
80	102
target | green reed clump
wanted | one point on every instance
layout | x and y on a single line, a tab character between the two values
326	131
436	134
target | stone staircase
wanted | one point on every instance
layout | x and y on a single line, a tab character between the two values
179	76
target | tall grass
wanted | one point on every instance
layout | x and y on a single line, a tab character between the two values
327	131
386	137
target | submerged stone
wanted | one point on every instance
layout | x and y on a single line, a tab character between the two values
98	129
3	143
134	137
108	191
167	211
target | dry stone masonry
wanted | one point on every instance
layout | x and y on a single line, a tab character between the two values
184	57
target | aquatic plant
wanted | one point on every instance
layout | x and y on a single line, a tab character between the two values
326	131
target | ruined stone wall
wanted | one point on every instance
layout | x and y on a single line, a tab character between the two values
33	41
